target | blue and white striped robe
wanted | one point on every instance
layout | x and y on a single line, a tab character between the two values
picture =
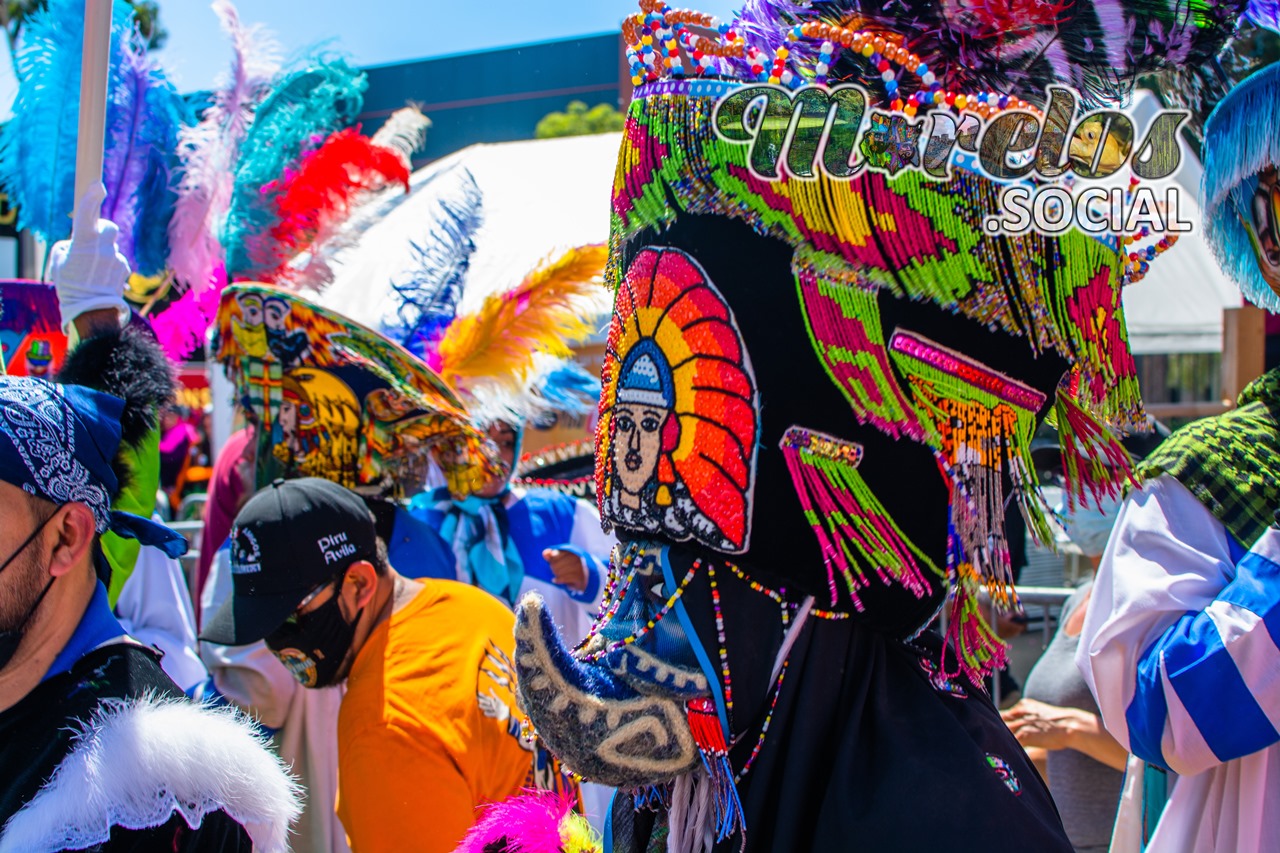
1180	648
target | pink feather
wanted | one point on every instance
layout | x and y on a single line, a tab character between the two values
530	823
182	326
209	151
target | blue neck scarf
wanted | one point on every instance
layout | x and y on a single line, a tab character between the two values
479	534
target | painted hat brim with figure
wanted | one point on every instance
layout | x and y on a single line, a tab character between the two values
334	399
820	390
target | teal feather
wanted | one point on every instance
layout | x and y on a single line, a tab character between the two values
299	113
38	143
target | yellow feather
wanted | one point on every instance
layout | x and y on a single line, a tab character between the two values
543	314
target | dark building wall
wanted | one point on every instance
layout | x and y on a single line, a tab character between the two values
497	95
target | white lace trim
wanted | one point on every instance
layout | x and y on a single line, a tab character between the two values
135	764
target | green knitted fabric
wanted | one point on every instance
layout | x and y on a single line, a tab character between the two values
1231	463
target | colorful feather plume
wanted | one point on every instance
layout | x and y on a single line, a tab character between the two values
328	184
546	312
429	292
209	151
533	822
548	385
38	144
300	111
145	114
404	131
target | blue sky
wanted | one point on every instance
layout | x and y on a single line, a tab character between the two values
370	32
377	31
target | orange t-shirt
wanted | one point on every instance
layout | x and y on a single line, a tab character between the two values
429	730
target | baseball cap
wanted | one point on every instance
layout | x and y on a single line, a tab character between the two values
290	537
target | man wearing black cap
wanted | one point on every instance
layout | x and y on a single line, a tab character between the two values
99	748
429	728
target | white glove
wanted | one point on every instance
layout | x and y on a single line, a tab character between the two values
88	271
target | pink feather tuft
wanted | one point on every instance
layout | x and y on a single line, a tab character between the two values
530	823
209	151
181	327
329	183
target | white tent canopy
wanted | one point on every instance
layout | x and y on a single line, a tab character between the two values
538	197
545	196
1178	307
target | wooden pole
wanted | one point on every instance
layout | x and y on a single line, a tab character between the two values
94	68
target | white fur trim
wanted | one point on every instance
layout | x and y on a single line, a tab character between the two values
137	763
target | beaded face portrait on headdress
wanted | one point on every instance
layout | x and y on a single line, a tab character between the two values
678	426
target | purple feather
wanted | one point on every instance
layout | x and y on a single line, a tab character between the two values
145	114
1264	13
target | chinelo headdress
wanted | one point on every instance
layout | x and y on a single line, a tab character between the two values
336	400
829	352
1242	188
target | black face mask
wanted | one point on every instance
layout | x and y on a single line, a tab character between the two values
11	639
313	645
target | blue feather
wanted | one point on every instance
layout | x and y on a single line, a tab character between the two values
1264	13
1238	144
430	291
570	388
38	144
298	113
144	114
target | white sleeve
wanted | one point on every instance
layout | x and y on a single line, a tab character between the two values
249	676
155	609
1167	557
590	537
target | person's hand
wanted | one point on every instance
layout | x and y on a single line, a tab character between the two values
88	271
492	706
567	568
1040	724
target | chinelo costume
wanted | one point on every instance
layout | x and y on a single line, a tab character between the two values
821	382
1179	645
510	361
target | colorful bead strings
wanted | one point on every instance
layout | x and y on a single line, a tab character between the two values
655	35
847	517
1140	260
651	623
764	728
982	424
726	679
884	53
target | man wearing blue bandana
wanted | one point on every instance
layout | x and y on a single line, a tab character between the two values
99	749
77	694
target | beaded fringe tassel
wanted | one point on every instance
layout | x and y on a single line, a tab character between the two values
981	423
1094	463
979	652
704	722
849	521
845	331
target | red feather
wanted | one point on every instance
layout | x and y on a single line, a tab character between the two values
326	187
